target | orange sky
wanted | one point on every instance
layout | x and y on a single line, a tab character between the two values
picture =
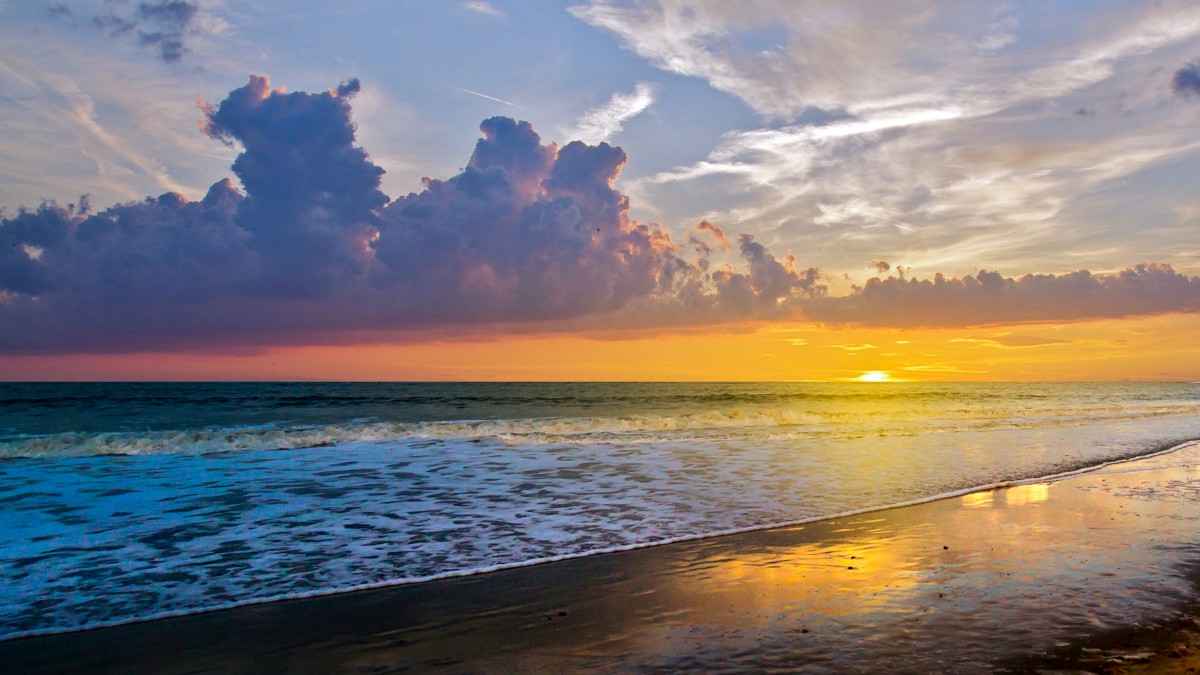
1152	348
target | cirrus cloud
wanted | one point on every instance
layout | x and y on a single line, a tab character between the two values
602	122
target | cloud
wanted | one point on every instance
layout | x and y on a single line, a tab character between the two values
312	196
852	347
1007	341
534	232
162	25
528	236
482	7
527	232
1186	81
699	236
603	122
949	124
988	298
784	58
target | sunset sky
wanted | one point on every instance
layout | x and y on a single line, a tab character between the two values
603	190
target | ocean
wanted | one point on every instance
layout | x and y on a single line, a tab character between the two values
125	502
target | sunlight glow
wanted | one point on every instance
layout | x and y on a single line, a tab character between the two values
875	376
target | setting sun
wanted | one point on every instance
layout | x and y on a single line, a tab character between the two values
875	376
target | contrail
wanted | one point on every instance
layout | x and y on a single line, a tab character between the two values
490	98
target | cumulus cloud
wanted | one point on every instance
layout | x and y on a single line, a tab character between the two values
700	236
312	195
1186	81
603	122
989	298
528	231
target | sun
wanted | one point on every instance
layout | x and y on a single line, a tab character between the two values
875	376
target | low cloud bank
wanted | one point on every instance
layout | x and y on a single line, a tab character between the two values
989	298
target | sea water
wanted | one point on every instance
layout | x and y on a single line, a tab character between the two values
123	502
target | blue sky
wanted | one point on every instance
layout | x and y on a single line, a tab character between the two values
846	140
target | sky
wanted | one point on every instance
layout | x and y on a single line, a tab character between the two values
600	190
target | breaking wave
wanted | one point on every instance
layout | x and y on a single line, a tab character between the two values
737	423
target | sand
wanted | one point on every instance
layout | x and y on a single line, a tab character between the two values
1094	572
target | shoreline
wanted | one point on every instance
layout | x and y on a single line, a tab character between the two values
1164	449
857	591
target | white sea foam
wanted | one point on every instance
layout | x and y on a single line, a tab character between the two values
1136	463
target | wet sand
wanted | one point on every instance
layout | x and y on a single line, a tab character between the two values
1054	575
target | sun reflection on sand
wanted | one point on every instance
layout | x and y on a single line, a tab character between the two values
1024	495
815	578
961	567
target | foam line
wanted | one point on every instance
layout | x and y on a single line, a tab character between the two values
402	581
773	423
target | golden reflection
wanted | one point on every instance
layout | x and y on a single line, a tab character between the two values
856	569
1024	495
978	500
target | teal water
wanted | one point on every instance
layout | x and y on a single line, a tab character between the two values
121	502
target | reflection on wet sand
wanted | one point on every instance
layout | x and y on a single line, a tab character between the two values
959	585
916	589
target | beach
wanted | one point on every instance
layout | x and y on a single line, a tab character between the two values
1002	579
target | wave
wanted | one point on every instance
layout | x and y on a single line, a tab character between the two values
730	424
1144	454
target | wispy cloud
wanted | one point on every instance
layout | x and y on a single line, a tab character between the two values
1009	341
603	122
939	154
483	7
852	348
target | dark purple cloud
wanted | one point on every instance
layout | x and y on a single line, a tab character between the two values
1186	81
312	196
988	298
162	25
534	232
526	232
